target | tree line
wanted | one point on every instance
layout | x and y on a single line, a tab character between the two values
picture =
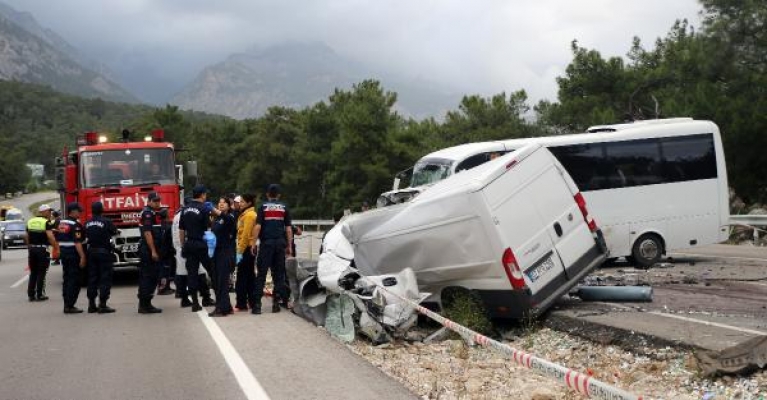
346	149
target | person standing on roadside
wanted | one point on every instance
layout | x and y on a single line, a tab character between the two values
225	229
272	228
245	258
39	237
192	226
236	206
71	236
149	251
99	232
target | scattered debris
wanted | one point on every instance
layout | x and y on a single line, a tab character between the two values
437	372
742	358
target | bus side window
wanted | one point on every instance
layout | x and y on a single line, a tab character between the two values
473	161
639	162
585	163
688	158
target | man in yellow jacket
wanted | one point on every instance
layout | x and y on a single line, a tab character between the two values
246	261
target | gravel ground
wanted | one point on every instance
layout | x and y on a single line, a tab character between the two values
451	370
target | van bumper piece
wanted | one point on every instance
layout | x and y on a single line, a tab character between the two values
519	304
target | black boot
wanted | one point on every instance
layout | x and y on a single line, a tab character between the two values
104	308
208	302
145	307
72	310
92	306
275	306
256	309
185	302
195	303
217	313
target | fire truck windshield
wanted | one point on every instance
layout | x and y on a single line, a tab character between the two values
129	167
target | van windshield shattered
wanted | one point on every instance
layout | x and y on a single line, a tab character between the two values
430	171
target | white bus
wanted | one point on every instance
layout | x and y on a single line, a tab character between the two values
653	186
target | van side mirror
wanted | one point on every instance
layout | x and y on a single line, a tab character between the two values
191	169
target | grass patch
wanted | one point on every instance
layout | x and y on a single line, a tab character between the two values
467	309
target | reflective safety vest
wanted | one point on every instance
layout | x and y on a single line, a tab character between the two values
37	224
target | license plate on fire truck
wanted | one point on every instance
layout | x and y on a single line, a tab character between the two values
130	248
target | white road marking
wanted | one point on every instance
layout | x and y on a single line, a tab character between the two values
716	324
688	319
722	257
248	383
20	281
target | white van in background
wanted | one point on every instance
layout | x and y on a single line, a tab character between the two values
515	231
653	186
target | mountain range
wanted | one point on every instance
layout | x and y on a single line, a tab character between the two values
244	85
297	75
32	53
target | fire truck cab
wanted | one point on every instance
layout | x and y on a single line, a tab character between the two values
120	175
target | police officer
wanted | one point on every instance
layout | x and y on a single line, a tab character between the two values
192	226
39	236
272	229
99	232
70	237
151	228
225	229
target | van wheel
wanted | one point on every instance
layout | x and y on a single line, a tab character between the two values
647	250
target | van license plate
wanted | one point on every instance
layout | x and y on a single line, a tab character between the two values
130	248
540	270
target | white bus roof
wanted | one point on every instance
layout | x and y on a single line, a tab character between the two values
637	124
636	130
460	151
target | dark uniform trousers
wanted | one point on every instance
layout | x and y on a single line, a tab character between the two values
271	256
100	267
246	278
224	260
196	252
149	273
39	260
70	261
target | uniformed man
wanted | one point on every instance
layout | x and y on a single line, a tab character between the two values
39	237
70	237
99	232
273	224
192	226
149	252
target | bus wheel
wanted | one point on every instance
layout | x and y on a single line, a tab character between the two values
647	250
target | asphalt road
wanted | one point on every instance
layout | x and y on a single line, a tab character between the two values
711	297
46	354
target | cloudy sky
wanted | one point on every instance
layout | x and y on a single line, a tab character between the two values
478	46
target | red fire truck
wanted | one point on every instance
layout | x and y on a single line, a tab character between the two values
120	175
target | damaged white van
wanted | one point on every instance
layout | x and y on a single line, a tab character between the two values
514	230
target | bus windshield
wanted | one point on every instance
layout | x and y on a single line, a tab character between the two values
430	171
129	167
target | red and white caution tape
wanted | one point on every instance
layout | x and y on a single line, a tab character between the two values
581	383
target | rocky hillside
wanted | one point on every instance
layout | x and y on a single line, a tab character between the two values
296	75
31	53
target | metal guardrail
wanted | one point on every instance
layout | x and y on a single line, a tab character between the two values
315	223
750	220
